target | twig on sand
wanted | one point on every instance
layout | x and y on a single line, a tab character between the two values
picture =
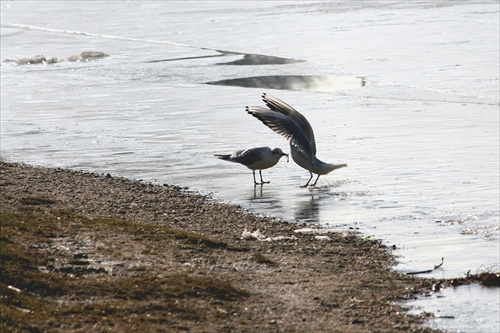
427	271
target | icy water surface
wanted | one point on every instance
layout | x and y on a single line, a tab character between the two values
407	94
466	315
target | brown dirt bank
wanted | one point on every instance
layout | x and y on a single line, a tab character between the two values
83	252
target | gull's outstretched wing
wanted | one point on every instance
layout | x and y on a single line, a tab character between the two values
284	126
278	105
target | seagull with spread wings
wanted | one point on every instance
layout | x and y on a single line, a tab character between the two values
293	126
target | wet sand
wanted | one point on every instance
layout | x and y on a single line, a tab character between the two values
90	252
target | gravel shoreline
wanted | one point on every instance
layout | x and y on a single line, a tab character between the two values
91	252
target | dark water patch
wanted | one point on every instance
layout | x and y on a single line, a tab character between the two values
185	58
259	59
319	83
246	60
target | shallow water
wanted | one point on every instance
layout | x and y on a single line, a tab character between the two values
414	114
469	313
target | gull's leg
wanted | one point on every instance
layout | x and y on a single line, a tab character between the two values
262	181
309	179
254	181
255	190
315	181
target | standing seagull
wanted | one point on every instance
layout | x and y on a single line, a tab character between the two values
255	159
288	122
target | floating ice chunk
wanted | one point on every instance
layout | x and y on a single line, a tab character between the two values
255	235
305	231
279	238
322	238
311	231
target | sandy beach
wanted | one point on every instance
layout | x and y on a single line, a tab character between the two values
92	252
